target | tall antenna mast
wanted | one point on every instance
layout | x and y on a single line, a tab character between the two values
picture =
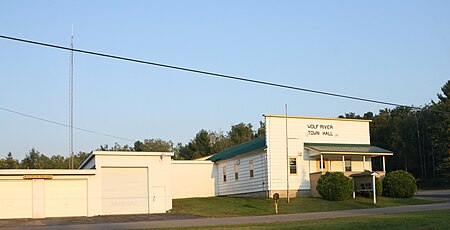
71	103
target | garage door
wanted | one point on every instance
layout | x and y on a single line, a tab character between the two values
124	191
15	199
65	198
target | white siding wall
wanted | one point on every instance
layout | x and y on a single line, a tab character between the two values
320	131
244	184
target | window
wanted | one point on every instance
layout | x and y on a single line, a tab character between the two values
323	165
293	165
236	171
250	166
348	165
224	173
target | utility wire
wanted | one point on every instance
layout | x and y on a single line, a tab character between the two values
218	75
61	124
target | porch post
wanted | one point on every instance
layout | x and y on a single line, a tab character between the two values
321	163
343	163
384	165
353	183
364	163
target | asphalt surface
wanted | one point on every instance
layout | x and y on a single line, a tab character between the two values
173	220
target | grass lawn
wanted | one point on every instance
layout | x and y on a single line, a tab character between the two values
418	220
235	206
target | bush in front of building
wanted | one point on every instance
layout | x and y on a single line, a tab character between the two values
334	186
399	184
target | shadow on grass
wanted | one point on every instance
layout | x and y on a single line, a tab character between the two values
238	206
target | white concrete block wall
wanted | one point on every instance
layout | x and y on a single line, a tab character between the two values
51	193
193	179
159	174
62	195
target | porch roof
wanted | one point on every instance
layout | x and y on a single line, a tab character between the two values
346	149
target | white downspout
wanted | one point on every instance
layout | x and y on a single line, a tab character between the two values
364	163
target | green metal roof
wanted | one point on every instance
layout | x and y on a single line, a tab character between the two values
347	148
247	147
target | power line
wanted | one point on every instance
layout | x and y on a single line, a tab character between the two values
218	75
61	124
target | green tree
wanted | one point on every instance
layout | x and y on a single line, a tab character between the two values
261	132
350	115
200	146
3	164
31	159
444	168
440	129
241	133
116	147
35	160
219	142
154	145
11	163
79	158
58	162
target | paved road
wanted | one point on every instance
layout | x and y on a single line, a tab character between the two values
441	194
166	221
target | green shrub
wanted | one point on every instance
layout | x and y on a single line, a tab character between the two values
334	186
379	186
399	184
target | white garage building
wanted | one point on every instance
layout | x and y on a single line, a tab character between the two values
113	183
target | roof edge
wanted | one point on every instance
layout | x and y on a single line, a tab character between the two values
316	118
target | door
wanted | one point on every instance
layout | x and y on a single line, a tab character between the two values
159	199
16	199
65	198
124	190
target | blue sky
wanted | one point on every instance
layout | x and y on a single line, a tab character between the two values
396	51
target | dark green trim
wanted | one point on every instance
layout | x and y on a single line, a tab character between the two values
349	148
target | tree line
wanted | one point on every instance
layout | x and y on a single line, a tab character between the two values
203	144
36	160
419	138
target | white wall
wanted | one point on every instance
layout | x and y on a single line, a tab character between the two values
64	194
305	130
244	184
193	179
51	193
159	175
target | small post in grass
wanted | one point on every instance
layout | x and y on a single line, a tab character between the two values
276	197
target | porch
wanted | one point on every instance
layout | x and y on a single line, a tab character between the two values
347	158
